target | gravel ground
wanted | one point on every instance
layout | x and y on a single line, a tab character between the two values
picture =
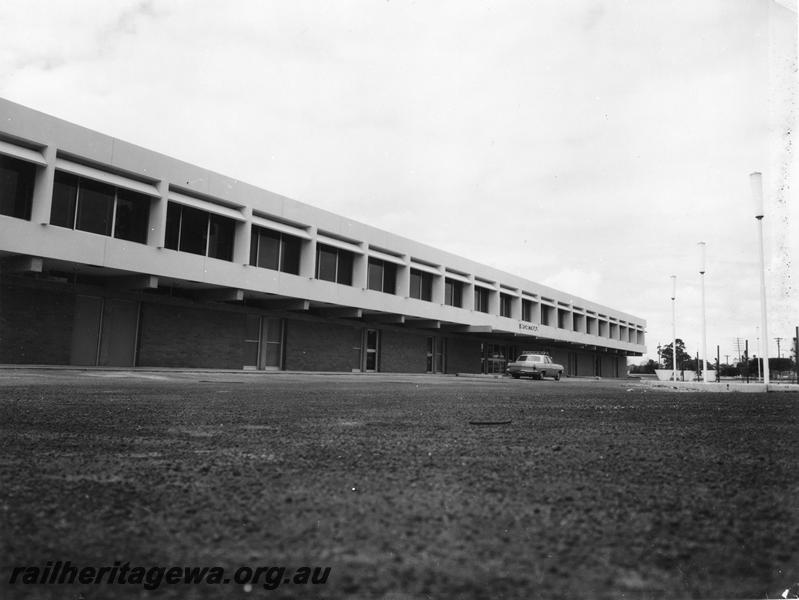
399	484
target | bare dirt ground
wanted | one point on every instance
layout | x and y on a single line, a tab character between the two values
590	489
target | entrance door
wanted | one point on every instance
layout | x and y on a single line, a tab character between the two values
441	355
271	355
252	341
436	354
119	328
104	332
86	330
371	361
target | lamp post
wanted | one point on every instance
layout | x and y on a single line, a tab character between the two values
704	324
756	180
673	328
759	358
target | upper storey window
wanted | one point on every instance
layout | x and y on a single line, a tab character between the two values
382	276
16	187
453	293
275	250
527	310
333	264
505	305
97	207
421	285
481	299
190	229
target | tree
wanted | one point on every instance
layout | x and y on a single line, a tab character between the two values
780	364
648	366
666	355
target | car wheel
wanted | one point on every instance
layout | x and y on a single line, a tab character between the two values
515	376
557	376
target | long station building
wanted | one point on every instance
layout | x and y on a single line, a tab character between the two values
114	255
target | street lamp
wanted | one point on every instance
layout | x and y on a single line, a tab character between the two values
756	180
673	328
704	324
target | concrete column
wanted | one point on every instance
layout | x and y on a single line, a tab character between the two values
468	294
156	234
536	316
241	243
43	188
516	306
404	278
493	300
308	256
360	268
438	287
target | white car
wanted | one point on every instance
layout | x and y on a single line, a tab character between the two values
536	366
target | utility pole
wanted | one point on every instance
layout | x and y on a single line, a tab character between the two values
673	328
778	339
746	359
756	181
796	353
704	324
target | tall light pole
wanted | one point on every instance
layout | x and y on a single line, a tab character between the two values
756	180
673	328
704	324
759	358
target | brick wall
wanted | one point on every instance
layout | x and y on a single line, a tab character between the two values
585	364
322	346
35	325
403	351
463	355
177	336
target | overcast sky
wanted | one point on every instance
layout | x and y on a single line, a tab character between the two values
586	145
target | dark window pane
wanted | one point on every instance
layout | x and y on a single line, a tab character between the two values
375	275
504	305
254	247
193	230
344	267
65	190
416	284
481	299
290	257
172	238
326	258
389	278
16	187
222	232
132	219
453	293
268	249
95	207
427	286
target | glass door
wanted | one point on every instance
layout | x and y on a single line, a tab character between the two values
371	362
271	354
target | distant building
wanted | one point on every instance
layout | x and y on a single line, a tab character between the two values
113	255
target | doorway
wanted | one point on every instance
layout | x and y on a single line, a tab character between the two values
372	351
104	332
263	343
